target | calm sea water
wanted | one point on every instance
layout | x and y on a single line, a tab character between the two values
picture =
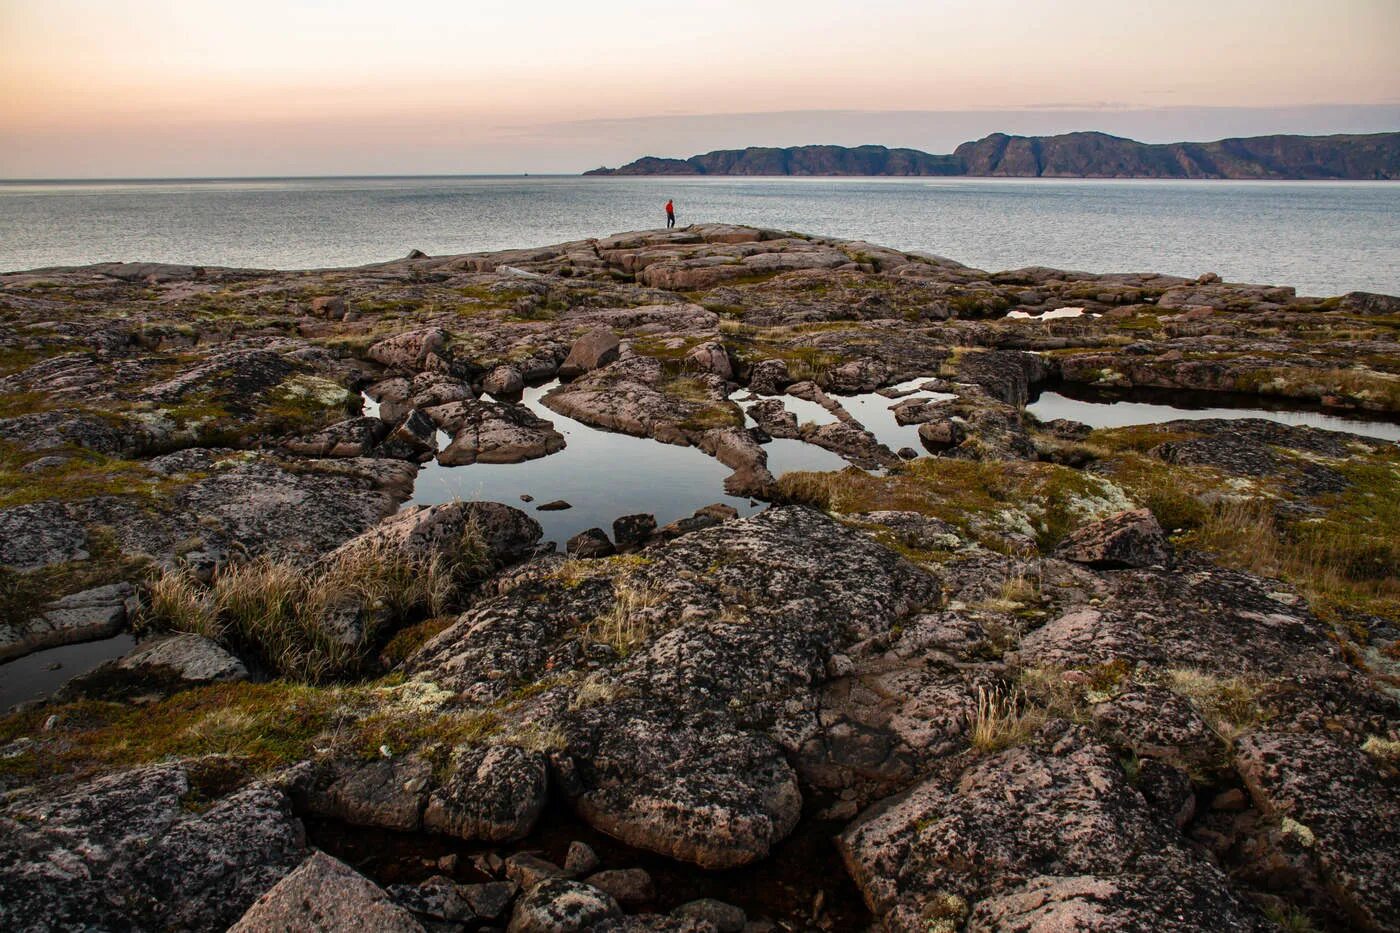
1322	237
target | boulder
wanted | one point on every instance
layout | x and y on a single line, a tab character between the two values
593	350
384	793
581	859
591	543
424	532
162	664
630	887
410	352
325	895
123	851
494	432
415	438
331	307
1128	539
492	794
713	358
437	900
84	616
503	380
726	918
561	906
632	530
354	437
769	377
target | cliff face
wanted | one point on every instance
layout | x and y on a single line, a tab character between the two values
1070	155
1098	155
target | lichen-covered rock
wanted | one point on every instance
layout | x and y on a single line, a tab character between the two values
494	432
493	794
162	664
1059	835
124	851
561	906
95	613
410	352
324	895
355	437
726	918
594	349
1128	539
493	534
630	887
592	542
1334	804
386	793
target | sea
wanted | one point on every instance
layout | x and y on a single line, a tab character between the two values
1324	238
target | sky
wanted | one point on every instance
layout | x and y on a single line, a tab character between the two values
174	88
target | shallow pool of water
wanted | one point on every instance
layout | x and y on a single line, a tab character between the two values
1103	409
37	675
876	412
601	474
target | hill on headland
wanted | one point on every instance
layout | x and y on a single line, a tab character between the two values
1070	155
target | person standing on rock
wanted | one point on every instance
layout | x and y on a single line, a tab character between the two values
670	214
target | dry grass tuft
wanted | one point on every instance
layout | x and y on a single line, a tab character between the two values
627	624
1001	720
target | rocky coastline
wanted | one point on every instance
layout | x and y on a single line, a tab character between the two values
1374	157
1029	675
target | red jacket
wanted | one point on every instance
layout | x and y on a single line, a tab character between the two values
670	208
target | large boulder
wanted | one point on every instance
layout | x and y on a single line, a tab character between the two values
1061	840
504	534
411	352
494	432
494	794
324	895
595	349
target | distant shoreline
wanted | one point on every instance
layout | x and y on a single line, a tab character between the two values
1096	156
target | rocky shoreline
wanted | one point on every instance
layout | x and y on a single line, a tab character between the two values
1028	675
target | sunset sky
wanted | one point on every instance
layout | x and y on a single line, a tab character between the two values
168	88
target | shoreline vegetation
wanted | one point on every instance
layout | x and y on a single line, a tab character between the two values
1017	671
1373	156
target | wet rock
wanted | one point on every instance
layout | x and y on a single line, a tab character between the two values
630	887
632	530
561	906
96	613
554	505
325	894
591	543
123	850
773	417
415	438
726	918
1128	539
1332	803
593	350
355	437
493	794
494	432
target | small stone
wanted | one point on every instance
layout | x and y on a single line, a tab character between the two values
591	543
529	870
1232	799
558	905
628	886
526	497
51	723
490	900
448	863
581	858
907	453
557	505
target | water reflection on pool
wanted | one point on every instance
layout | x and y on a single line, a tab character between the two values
36	675
1116	410
602	474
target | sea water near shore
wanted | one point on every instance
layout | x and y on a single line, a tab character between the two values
1322	237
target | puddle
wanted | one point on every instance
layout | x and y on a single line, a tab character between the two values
876	412
786	455
1116	409
29	677
602	474
1056	314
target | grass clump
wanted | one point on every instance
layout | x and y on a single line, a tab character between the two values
1229	704
628	623
319	623
1001	719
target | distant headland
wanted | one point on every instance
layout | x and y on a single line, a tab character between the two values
1069	155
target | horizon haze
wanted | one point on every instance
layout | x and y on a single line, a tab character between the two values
158	89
